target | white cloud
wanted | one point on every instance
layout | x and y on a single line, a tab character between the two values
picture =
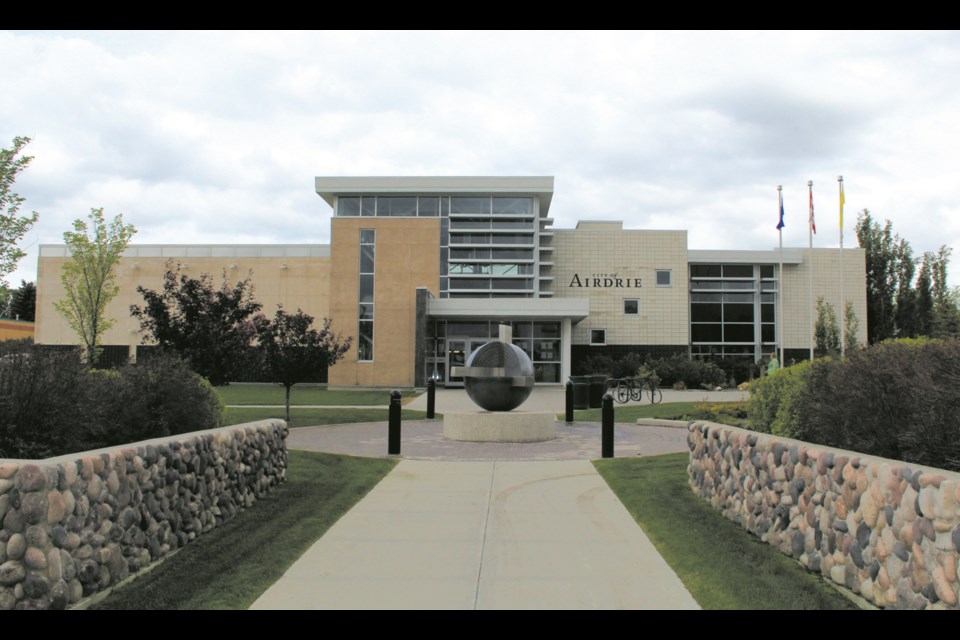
219	135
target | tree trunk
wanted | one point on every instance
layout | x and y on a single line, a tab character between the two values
288	386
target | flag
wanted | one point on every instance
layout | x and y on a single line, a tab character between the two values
780	224
813	225
842	200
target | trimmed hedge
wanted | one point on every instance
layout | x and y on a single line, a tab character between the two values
52	404
897	399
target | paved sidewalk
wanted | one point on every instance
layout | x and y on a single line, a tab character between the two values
483	535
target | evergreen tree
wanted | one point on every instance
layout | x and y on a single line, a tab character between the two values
881	259
23	302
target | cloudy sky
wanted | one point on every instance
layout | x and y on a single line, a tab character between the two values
215	137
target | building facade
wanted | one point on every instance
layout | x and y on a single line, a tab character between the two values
421	271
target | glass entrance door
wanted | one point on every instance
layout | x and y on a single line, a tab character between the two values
458	354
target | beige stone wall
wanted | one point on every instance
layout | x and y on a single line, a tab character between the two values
407	256
826	282
664	317
295	282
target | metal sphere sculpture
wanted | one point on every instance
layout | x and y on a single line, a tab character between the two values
498	376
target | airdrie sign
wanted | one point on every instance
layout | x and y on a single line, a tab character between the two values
604	281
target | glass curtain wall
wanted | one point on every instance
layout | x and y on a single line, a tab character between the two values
732	310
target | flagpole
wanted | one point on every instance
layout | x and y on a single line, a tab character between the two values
780	279
811	328
843	302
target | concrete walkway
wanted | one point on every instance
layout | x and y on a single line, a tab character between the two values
467	525
483	535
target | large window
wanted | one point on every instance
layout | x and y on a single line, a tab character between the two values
732	310
368	245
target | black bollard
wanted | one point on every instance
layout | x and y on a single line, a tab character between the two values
393	429
431	398
569	416
606	428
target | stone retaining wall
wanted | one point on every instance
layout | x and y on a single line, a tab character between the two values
76	524
887	530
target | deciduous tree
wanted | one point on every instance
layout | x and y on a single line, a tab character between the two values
88	279
826	334
12	226
210	328
293	350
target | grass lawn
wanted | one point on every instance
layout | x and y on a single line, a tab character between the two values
305	394
316	417
229	567
630	413
722	565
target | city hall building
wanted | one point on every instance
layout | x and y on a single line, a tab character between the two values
421	271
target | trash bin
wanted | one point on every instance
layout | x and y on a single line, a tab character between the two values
597	386
581	391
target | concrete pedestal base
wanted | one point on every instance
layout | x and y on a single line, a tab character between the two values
500	426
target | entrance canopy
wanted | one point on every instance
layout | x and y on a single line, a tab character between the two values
573	309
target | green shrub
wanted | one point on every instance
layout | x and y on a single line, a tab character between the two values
602	364
693	373
897	399
41	401
771	400
732	413
52	404
162	397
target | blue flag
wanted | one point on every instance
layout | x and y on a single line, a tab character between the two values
780	224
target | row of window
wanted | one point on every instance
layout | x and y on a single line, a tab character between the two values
431	206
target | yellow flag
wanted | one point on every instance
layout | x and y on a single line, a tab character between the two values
841	205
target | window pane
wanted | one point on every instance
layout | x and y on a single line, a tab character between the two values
738	297
348	206
511	283
527	347
522	206
546	373
766	271
704	271
663	278
469	283
368	236
468	329
698	285
738	333
368	206
511	254
546	329
738	313
705	313
366	258
768	333
706	333
739	284
512	238
522	329
396	206
366	311
706	297
737	271
548	350
631	307
767	313
365	344
469	205
429	206
598	336
366	288
469	223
